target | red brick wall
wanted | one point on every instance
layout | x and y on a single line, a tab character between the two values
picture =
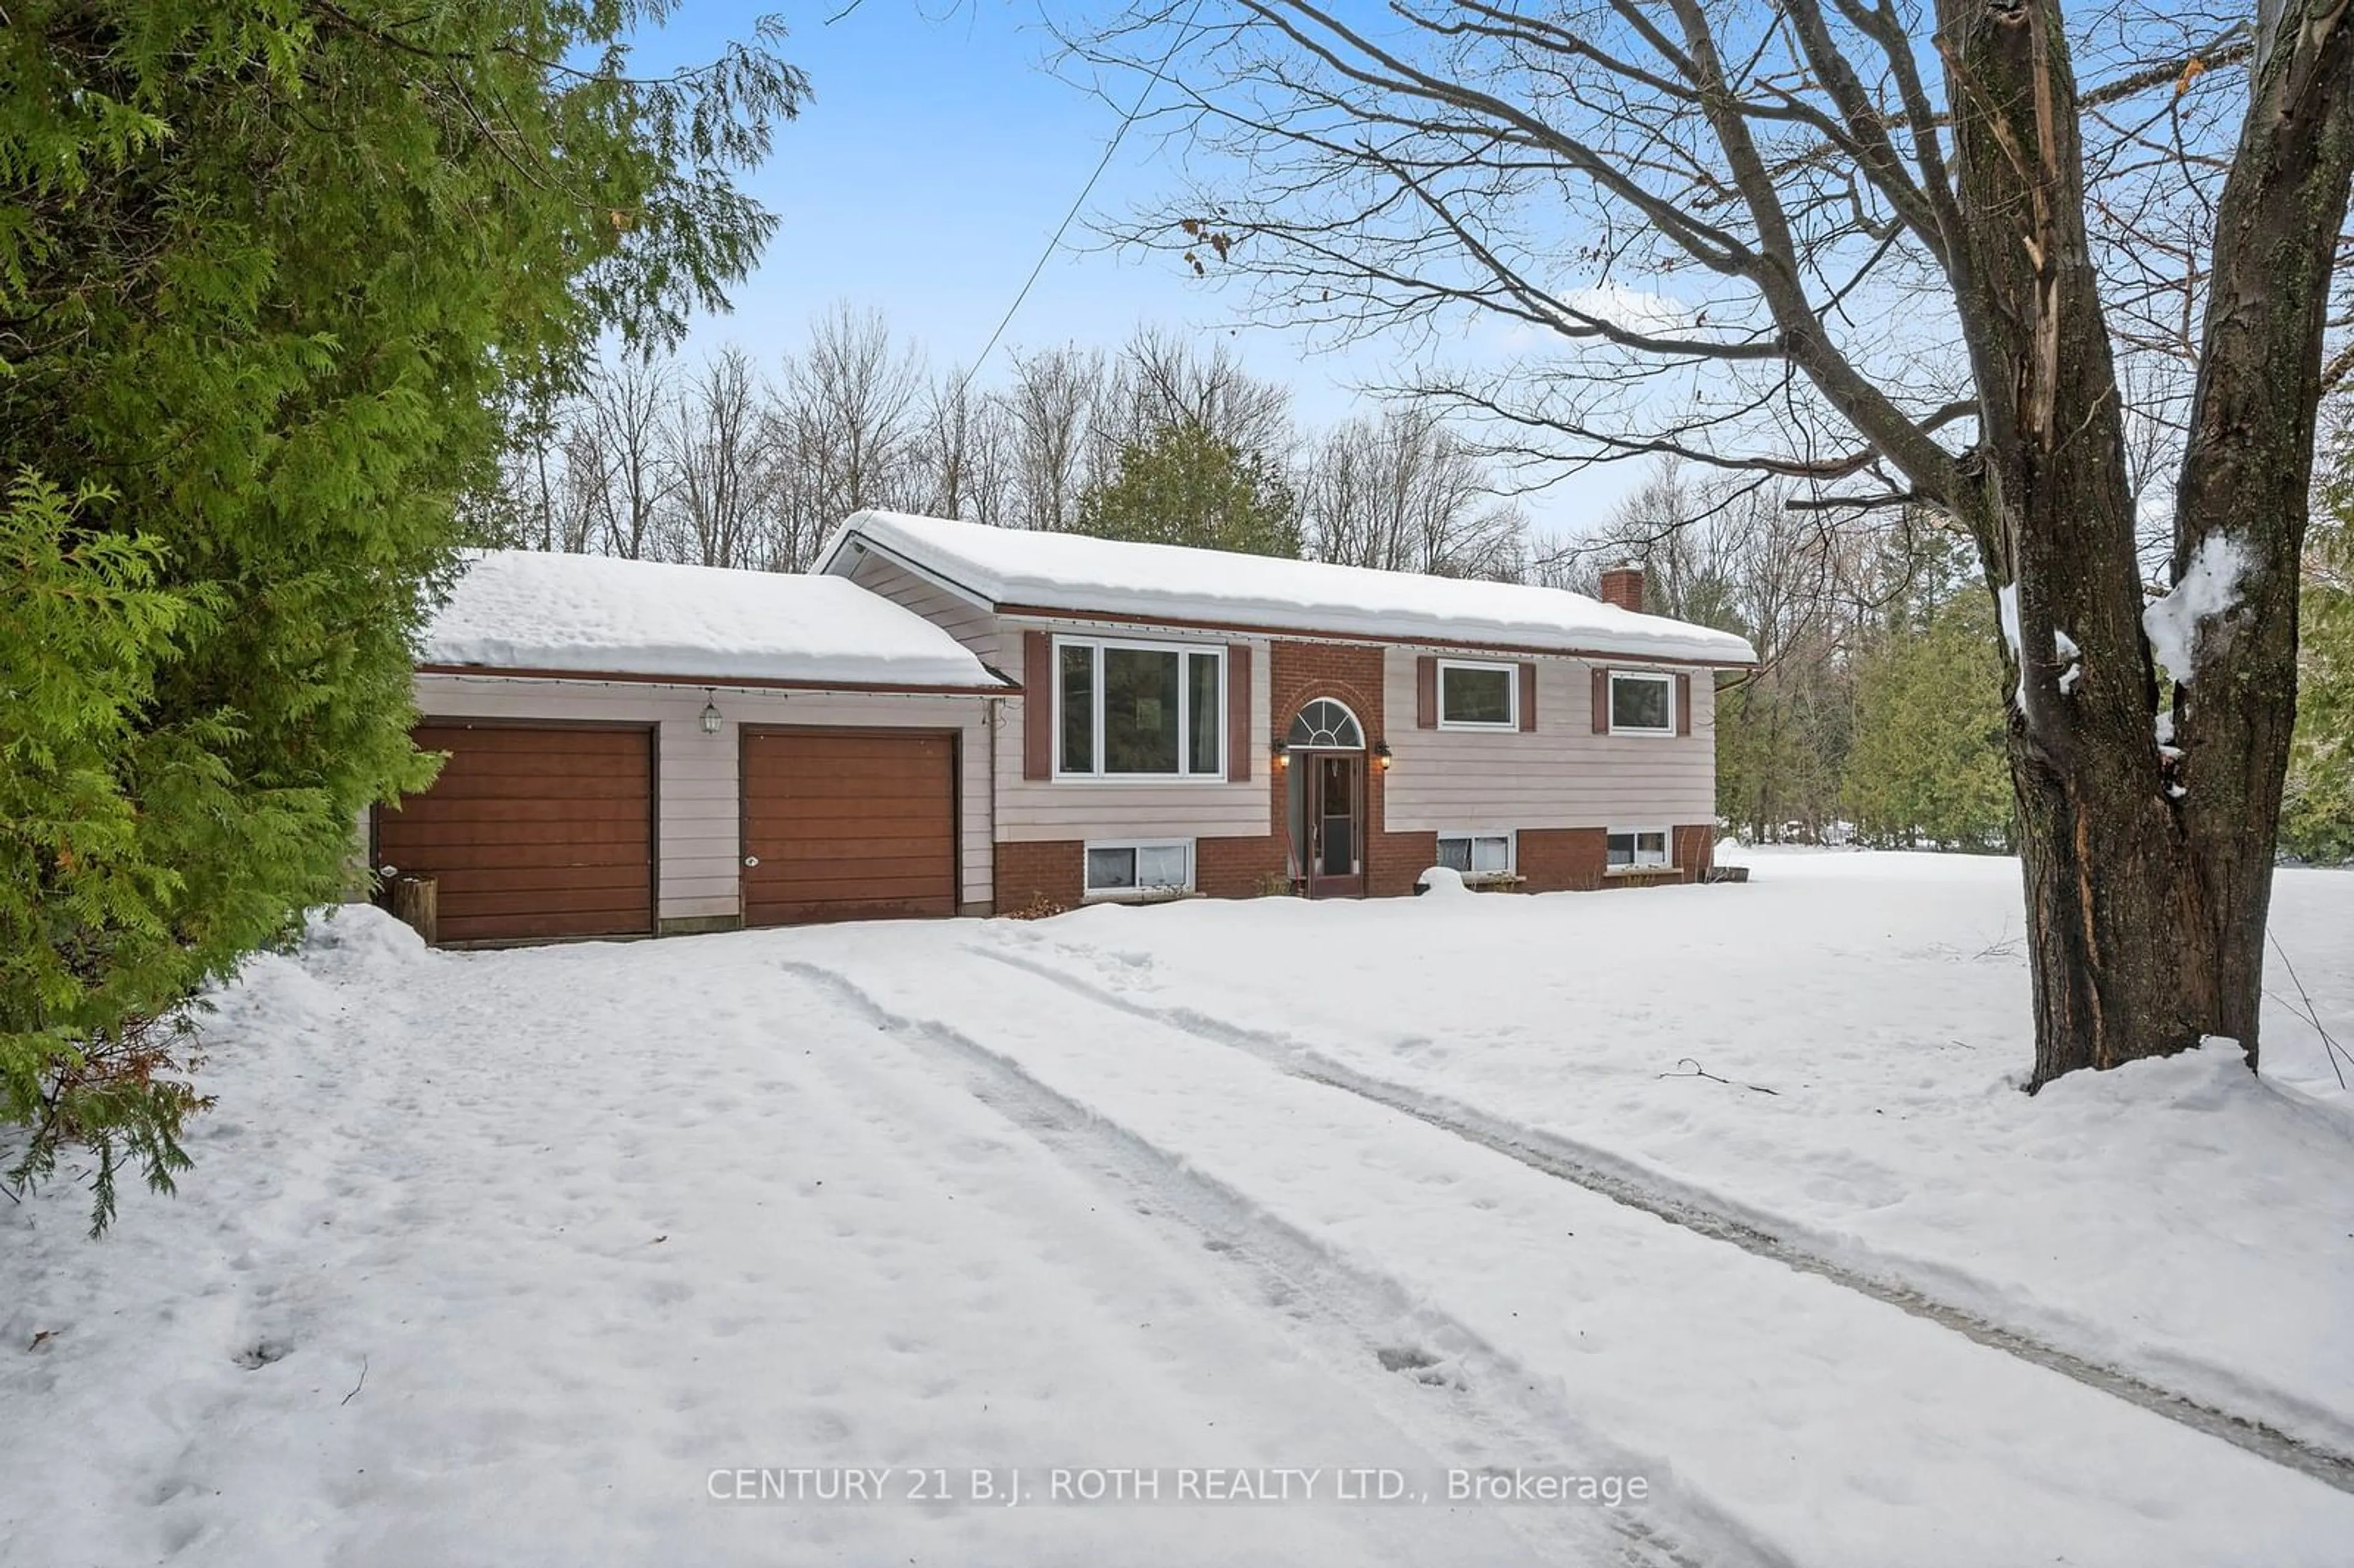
1030	874
1552	859
1694	850
1238	868
1555	860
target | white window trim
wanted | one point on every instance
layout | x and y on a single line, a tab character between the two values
1512	674
1511	849
1135	894
1184	715
1656	676
1667	839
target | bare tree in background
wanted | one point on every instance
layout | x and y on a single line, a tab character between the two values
716	439
1403	492
538	506
1894	282
1051	405
857	397
1164	379
945	446
618	455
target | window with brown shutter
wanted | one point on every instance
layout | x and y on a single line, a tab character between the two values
1239	714
1601	700
1528	696
1037	705
1426	692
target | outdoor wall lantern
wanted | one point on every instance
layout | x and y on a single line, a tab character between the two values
1281	751
710	716
1382	757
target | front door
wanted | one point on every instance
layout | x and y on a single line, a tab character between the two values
1335	812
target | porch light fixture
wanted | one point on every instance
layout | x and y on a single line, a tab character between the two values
1382	757
1281	751
711	720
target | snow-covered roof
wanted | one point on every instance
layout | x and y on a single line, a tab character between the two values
1080	575
525	610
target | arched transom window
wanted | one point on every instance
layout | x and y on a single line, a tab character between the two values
1325	722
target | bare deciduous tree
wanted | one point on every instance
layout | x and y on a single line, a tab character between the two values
1163	379
1806	239
716	438
1051	405
858	396
1404	493
616	453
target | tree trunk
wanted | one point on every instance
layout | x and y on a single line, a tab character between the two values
2247	472
416	904
2050	506
2148	881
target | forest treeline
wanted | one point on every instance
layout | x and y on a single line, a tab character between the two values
1875	714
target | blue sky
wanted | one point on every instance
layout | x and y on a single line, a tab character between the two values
926	176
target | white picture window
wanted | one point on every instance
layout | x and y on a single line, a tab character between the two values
1479	697
1139	710
1642	703
1633	849
1477	854
1140	868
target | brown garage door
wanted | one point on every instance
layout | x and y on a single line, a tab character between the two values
532	830
848	824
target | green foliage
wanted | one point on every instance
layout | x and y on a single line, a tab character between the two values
271	273
2318	802
1782	741
1187	486
83	943
1928	764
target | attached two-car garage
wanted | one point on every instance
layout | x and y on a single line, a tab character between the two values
535	831
639	748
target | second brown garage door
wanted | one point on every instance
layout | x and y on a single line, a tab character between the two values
848	825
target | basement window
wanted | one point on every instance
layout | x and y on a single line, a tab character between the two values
1139	869
1476	855
1637	849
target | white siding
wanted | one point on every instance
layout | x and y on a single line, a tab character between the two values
1049	808
697	773
1562	775
969	623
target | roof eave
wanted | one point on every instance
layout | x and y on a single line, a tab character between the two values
993	683
857	540
1413	638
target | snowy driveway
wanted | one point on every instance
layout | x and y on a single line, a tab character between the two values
497	1258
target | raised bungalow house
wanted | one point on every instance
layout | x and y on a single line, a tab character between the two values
945	717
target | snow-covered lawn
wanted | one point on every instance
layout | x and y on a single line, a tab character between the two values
498	1257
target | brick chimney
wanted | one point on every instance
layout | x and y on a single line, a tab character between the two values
1623	586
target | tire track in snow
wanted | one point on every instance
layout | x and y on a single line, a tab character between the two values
1314	1284
1604	1174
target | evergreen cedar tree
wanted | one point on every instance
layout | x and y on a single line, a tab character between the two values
1185	484
271	274
1846	183
1926	763
2317	810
